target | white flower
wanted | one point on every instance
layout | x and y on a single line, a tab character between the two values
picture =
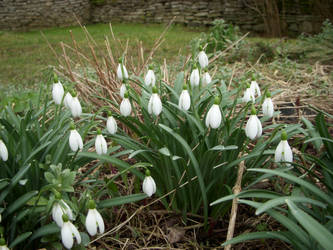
100	144
195	78
268	107
149	186
154	104
57	92
248	95
111	125
206	79
68	232
75	140
255	88
203	59
125	107
184	100
58	210
68	99
150	78
3	151
75	107
283	151
214	116
94	220
253	127
120	72
122	90
4	247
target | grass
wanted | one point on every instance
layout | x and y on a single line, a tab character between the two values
24	55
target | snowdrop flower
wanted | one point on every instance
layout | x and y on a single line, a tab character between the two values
148	185
57	91
253	127
214	116
111	124
184	99
267	106
68	99
68	232
206	79
94	220
3	245
154	104
248	95
75	139
150	78
283	151
121	71
100	143
3	151
203	59
60	208
125	106
122	91
75	106
195	78
255	88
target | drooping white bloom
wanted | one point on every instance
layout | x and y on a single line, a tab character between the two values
58	210
75	107
268	107
75	140
94	220
101	145
120	75
248	95
195	78
203	59
149	186
253	127
255	88
150	78
68	99
4	246
283	152
206	79
154	104
125	107
3	151
184	100
57	92
111	125
122	91
214	116
68	232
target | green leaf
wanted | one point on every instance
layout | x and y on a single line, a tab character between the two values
45	230
164	151
224	148
19	239
20	201
314	228
122	200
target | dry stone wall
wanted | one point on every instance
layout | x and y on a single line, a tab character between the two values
26	14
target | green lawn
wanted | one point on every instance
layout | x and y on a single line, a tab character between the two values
23	55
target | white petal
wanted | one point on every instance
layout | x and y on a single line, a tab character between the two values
207	122
157	105
255	88
259	127
122	90
76	233
278	152
100	222
68	99
75	107
101	145
184	100
251	129
125	107
203	59
149	186
206	79
120	73
67	210
150	78
91	225
248	95
268	107
57	214
288	153
194	78
3	151
75	140
57	92
150	105
111	125
215	116
67	235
